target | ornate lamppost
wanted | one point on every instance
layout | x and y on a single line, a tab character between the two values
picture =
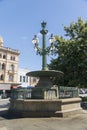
44	51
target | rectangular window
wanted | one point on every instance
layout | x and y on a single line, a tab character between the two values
23	78
20	78
11	77
34	80
26	78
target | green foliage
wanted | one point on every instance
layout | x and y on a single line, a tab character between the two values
72	55
84	99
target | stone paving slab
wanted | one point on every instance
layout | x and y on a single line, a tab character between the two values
3	128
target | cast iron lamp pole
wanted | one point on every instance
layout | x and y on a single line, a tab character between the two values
44	50
44	55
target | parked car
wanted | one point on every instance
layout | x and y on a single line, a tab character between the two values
81	91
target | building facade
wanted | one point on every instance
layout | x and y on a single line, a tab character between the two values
8	66
23	79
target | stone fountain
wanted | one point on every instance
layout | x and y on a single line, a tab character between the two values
45	100
45	88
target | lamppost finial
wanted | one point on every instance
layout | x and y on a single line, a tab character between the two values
43	24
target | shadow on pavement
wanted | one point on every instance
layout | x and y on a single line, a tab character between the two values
7	115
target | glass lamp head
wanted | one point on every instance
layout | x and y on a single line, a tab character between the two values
35	40
52	39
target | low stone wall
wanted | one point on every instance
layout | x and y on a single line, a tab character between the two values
45	108
35	105
71	103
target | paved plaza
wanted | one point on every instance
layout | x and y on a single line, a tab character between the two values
10	122
77	122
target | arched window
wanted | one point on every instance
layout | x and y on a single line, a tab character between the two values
0	66
3	66
12	67
0	55
2	77
4	56
11	58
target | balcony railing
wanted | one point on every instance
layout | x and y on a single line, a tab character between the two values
11	71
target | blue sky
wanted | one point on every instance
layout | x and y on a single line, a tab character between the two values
20	20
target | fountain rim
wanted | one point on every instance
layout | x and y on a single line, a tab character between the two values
45	73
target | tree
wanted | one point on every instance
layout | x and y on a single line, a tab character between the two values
72	55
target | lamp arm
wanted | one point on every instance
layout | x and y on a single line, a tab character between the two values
38	49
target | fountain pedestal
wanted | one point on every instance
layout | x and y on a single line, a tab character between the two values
45	88
44	93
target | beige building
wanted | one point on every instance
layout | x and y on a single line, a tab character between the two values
8	66
34	81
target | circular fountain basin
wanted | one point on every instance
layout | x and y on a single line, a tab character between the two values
45	73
